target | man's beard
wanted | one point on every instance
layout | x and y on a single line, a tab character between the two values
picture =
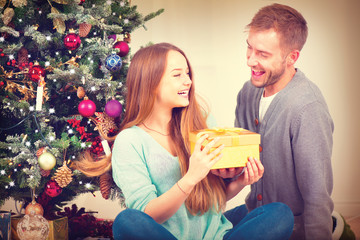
274	76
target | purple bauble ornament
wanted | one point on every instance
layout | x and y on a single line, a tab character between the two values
113	108
112	36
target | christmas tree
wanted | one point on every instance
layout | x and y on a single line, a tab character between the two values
62	74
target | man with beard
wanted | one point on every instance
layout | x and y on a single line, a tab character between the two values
290	113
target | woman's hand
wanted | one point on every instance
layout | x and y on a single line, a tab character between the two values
202	160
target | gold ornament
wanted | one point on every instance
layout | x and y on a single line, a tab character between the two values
63	175
62	1
104	123
2	3
58	23
19	3
84	29
80	92
127	37
8	15
72	61
34	208
47	161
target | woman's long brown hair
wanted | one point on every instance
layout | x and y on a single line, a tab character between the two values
145	72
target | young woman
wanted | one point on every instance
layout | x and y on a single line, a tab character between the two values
170	193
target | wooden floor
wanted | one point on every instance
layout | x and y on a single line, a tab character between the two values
354	223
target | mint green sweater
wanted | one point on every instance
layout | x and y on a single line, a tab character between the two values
144	170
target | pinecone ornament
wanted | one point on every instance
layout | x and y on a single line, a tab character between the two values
81	92
8	15
19	3
84	29
106	182
40	151
127	37
23	56
63	175
45	173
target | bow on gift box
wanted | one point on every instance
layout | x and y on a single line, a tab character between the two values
234	133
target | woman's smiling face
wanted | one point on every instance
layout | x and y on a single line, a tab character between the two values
174	87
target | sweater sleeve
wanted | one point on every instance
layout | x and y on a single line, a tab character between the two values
130	170
312	148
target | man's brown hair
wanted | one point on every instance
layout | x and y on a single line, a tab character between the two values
286	21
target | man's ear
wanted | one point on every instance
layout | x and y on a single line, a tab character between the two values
292	57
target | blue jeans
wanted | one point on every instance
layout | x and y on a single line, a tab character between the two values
271	221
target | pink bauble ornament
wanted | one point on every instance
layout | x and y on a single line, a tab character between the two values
113	108
87	108
72	41
123	47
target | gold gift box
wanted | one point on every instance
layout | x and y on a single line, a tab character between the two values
240	144
58	228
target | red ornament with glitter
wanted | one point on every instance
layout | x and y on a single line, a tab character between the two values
87	108
72	41
52	189
36	72
123	47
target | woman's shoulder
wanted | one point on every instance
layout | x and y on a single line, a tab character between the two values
130	135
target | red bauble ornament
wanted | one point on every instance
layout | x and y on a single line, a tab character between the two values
87	108
52	189
36	72
72	41
113	108
123	47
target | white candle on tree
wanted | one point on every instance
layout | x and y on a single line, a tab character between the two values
40	94
106	147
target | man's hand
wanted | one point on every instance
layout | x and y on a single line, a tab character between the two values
227	172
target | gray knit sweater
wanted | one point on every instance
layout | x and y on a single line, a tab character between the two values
296	140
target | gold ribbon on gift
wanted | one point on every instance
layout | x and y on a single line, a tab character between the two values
219	132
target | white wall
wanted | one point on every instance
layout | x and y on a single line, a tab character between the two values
212	35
